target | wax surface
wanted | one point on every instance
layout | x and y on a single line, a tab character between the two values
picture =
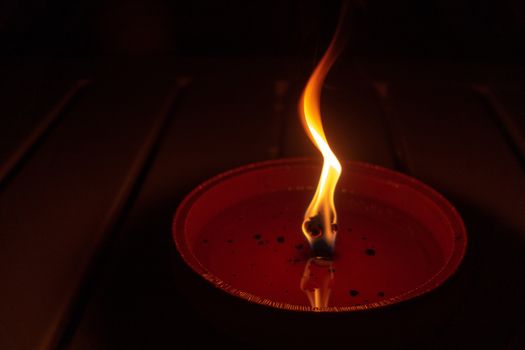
397	238
257	246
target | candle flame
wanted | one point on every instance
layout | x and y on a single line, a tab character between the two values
320	220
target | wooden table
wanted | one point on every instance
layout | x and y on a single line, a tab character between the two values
96	156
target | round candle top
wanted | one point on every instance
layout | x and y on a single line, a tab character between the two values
397	238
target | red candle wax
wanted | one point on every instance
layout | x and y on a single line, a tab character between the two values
241	231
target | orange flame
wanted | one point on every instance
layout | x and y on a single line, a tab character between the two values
320	220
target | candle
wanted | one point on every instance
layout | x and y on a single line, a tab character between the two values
240	233
397	237
370	237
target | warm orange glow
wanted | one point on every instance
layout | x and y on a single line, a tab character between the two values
320	220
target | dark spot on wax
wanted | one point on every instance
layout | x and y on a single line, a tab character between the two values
257	236
353	292
370	252
280	239
229	240
381	294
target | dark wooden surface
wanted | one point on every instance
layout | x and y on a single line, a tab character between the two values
94	164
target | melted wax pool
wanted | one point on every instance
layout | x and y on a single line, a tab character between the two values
241	230
257	246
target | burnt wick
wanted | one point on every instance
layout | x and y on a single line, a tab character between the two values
314	226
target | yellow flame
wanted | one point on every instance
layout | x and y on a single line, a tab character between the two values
320	220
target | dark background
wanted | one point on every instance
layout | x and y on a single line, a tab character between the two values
454	30
112	111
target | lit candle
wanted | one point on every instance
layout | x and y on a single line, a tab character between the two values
241	231
397	238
